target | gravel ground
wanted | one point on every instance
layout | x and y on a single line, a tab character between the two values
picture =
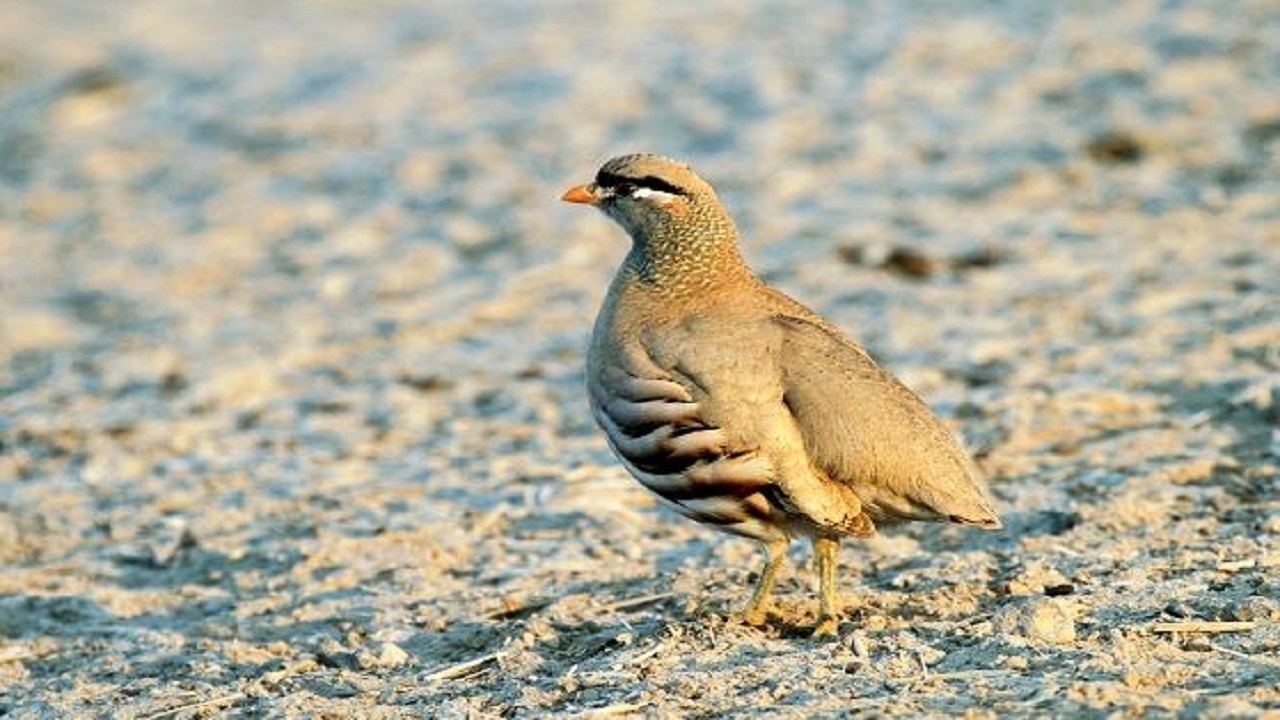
291	410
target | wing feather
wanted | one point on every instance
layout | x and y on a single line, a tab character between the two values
864	428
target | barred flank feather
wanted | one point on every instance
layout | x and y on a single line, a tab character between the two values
659	437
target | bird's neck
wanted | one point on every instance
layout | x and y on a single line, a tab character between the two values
688	256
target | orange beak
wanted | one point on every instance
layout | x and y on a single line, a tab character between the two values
581	194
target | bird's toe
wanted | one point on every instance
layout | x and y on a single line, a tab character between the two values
827	626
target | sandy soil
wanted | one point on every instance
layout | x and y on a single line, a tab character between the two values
292	329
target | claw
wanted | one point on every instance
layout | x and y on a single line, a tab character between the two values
751	617
827	627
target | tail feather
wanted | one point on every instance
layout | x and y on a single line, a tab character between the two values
978	512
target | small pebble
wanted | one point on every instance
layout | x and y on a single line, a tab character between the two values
331	653
1014	662
1040	620
1039	578
1197	643
1271	525
392	655
1050	622
1114	148
1257	609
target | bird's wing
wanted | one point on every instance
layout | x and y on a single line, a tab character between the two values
863	428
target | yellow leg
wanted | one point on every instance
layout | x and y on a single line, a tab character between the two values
826	551
757	610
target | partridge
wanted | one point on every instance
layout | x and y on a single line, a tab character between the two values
743	409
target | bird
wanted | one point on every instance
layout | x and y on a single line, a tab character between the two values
742	409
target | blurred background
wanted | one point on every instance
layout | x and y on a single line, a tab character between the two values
291	320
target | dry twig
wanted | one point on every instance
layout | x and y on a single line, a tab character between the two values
645	654
16	653
270	678
460	669
619	709
637	602
211	702
1259	659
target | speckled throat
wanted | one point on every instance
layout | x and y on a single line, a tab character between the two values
684	252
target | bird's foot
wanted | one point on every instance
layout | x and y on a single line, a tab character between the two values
827	626
755	614
752	617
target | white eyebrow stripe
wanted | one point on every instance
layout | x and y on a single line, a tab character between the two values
642	193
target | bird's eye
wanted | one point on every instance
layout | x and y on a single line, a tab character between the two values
624	189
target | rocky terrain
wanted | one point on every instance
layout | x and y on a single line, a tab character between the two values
292	329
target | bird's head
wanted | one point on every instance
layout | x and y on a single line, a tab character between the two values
648	194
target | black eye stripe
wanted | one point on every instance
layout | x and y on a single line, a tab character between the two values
610	180
654	183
